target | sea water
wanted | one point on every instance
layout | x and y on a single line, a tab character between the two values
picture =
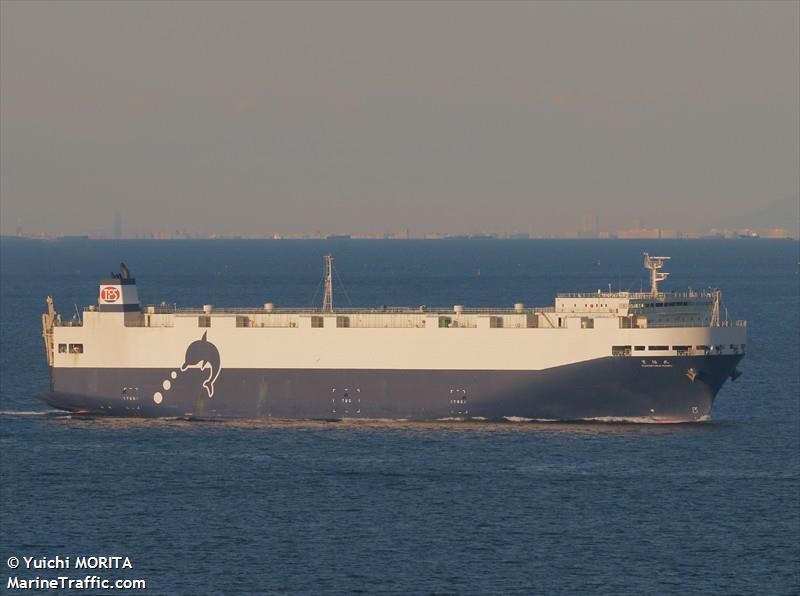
321	507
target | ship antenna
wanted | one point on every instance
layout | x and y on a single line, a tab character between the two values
715	307
327	299
654	264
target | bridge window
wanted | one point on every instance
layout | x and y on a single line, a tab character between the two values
343	321
620	350
62	348
639	348
658	348
76	348
204	321
496	322
317	322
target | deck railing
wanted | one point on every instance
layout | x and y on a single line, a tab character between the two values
638	295
389	310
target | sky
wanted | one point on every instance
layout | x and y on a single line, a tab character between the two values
260	117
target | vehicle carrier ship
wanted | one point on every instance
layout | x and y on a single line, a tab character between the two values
629	356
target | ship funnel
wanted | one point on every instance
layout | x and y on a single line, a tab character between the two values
118	293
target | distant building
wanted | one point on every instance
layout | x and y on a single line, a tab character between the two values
776	233
589	226
639	234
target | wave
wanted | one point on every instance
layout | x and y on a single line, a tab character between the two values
645	419
522	419
31	413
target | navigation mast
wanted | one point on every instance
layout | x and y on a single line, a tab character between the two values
654	264
327	299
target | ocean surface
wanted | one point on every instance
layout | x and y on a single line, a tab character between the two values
313	507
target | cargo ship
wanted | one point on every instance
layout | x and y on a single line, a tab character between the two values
610	356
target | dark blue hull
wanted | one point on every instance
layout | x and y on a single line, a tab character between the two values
623	388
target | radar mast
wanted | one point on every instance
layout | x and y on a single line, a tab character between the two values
327	299
654	264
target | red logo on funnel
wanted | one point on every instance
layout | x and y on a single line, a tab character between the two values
109	294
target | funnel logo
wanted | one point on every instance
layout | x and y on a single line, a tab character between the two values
204	355
109	294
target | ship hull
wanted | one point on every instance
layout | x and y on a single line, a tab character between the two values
665	389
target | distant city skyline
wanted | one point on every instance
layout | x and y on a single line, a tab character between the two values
590	229
774	222
126	118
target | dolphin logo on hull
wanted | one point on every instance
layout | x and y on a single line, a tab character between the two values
204	355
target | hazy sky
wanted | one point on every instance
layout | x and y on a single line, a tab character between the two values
257	117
